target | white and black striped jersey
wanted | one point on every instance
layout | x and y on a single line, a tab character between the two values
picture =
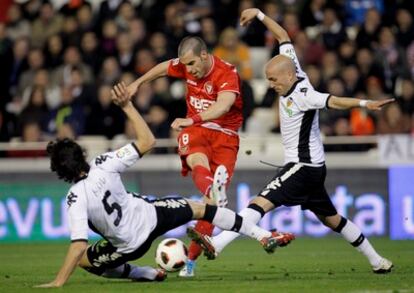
101	202
299	117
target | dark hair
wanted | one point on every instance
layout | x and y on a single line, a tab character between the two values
67	159
195	44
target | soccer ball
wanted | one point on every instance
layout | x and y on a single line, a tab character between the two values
171	254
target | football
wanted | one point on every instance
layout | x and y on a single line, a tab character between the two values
171	254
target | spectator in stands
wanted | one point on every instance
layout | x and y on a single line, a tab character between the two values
108	41
105	118
144	61
312	13
72	58
174	27
356	10
91	52
66	130
362	123
315	77
352	82
232	50
7	125
36	110
108	10
137	32
159	47
82	91
332	30
125	14
35	61
308	52
406	99
404	28
70	33
72	7
393	120
46	25
70	111
125	52
366	66
31	132
347	52
330	65
367	36
13	67
291	24
17	26
85	18
209	33
110	72
53	52
391	57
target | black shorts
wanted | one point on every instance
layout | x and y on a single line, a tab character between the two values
298	184
171	213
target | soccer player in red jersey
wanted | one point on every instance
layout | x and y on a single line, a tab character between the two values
208	140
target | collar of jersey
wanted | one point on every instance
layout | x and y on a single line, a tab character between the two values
292	88
212	66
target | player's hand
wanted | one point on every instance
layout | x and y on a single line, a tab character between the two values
248	15
120	95
377	105
48	285
180	123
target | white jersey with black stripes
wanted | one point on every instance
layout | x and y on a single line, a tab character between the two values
100	200
299	117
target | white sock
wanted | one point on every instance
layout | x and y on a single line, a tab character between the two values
228	220
134	274
353	235
224	238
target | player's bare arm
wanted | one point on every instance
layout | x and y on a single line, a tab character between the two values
145	138
223	104
157	71
248	15
341	103
73	256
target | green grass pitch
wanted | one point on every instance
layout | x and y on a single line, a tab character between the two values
307	265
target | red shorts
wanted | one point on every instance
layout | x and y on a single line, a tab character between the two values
220	148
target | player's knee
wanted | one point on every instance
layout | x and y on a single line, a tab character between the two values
261	204
198	159
332	222
197	208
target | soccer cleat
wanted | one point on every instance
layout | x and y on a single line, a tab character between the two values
204	241
188	270
384	267
277	239
218	188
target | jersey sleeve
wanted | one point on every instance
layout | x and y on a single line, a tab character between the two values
229	82
118	160
78	215
311	99
288	50
176	68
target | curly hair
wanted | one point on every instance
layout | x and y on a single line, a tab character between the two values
67	159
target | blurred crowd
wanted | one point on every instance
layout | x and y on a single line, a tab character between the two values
59	60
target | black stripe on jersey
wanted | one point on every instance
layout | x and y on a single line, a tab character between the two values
285	43
136	148
327	102
292	88
79	240
304	135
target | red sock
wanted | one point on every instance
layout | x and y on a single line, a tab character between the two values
203	227
202	178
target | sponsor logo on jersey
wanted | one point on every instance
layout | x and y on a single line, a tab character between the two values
71	199
122	152
170	203
200	104
223	85
288	111
208	87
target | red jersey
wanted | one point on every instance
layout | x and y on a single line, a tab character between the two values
201	93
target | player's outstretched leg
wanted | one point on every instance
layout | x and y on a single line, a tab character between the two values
356	238
217	192
228	220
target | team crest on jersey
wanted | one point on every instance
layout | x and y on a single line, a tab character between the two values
289	102
208	87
